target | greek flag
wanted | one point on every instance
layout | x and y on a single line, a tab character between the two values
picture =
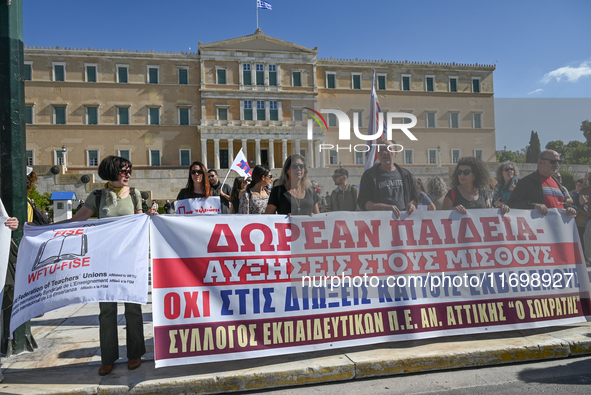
264	5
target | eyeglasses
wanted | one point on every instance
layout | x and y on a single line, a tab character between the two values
337	176
211	175
270	175
193	172
298	166
553	161
508	169
125	172
465	172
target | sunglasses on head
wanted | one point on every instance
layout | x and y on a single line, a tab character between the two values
553	161
465	172
193	172
508	169
298	166
125	172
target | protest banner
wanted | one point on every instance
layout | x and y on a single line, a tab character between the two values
233	288
4	245
211	205
102	260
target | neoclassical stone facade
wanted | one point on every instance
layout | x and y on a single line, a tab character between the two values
251	93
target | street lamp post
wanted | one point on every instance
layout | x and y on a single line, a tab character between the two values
64	157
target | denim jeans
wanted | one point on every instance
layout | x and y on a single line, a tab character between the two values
136	346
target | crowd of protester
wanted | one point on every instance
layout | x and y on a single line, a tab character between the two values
384	187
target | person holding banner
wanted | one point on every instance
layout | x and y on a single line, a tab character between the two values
293	194
220	189
255	198
197	185
469	182
114	200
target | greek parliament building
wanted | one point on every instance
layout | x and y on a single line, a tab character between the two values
163	110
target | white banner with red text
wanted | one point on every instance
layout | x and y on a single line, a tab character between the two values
211	205
101	260
233	288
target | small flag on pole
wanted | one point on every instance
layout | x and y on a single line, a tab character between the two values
264	5
371	156
240	165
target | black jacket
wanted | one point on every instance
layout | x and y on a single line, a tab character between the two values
528	192
368	188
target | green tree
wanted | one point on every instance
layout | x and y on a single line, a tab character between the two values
558	146
586	129
577	152
513	156
534	149
40	200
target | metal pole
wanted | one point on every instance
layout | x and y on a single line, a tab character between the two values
13	187
12	109
257	6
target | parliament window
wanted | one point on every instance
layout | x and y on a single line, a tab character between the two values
260	74
27	76
356	81
431	120
92	115
273	111
429	82
28	115
59	115
381	82
406	83
59	72
90	73
154	157
272	75
297	78
248	110
93	157
246	74
261	110
185	157
222	114
183	116
152	75
476	85
331	80
221	73
454	120
477	120
183	76
453	84
123	115
122	74
154	115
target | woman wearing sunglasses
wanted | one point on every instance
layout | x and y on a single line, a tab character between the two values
198	185
506	176
114	200
254	200
470	182
293	193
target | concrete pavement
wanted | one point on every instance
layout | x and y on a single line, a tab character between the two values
68	359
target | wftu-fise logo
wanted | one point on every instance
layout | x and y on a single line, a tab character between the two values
345	127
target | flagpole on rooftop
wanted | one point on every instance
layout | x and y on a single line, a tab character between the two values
256	4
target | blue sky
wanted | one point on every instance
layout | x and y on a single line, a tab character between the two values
541	48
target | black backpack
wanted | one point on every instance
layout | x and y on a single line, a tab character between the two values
38	217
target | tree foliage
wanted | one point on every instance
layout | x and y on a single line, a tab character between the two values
41	201
558	146
534	149
513	156
586	129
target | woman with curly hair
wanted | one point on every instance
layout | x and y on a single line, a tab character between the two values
469	182
436	190
506	176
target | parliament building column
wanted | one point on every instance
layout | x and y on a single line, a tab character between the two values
216	154
204	151
311	154
271	154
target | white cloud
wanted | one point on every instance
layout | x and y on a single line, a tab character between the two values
536	91
572	74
